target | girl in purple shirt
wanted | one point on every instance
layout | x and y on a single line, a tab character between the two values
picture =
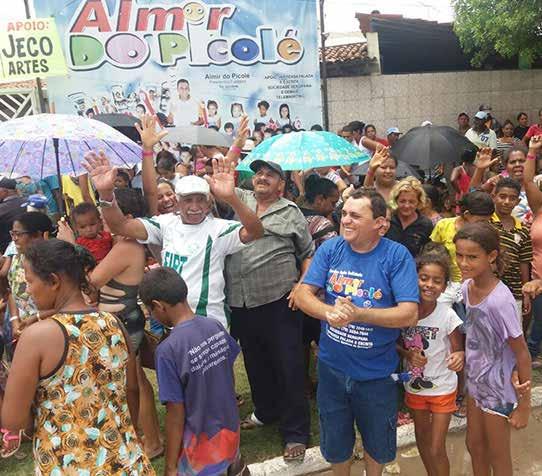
494	348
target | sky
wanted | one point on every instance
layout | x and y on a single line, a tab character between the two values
339	14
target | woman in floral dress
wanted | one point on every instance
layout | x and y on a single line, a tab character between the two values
78	369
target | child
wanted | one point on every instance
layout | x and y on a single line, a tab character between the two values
434	353
229	129
89	228
494	347
194	366
165	167
213	118
515	239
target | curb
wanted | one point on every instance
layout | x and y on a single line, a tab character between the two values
314	461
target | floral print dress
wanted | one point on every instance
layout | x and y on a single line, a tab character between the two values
83	425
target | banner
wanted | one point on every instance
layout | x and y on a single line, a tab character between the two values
190	62
30	49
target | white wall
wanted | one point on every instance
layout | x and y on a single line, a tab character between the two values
407	100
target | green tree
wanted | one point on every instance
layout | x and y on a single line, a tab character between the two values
505	27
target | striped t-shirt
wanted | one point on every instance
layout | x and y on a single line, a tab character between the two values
516	244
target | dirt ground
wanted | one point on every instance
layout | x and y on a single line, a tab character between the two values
526	454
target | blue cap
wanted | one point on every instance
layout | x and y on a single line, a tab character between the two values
481	115
393	130
36	201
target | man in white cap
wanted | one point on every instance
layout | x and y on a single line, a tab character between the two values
194	243
393	134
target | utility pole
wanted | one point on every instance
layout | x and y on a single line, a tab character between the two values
38	82
323	70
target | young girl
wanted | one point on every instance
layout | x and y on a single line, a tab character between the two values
434	353
494	348
213	118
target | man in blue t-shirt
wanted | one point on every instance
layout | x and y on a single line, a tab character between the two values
194	366
371	292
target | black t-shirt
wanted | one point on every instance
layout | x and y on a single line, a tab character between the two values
520	131
414	236
10	210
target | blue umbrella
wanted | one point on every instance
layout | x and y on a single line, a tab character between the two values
305	150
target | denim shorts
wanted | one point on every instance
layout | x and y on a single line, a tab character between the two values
371	405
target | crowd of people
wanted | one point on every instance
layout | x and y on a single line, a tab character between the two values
401	289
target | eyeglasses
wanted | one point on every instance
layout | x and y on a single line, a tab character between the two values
15	234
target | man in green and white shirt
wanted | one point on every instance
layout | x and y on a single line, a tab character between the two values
193	243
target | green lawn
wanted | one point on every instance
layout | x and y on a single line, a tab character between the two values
256	445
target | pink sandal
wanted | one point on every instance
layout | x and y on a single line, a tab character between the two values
7	438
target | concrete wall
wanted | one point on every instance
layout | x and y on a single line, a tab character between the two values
409	99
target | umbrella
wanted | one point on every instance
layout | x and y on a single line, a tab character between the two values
403	170
124	123
305	150
55	144
430	145
197	135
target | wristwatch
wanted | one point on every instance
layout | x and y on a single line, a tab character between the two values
105	203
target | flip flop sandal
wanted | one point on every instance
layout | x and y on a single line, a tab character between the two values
157	454
7	438
240	400
250	422
289	456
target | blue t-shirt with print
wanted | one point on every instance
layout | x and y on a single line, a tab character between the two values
381	278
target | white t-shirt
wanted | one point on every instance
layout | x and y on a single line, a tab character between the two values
184	112
431	336
485	139
197	253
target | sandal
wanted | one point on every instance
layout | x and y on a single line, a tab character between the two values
156	454
7	438
240	400
294	452
250	422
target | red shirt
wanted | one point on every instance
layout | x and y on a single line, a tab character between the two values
99	246
534	130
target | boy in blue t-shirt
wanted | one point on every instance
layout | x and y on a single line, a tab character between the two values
194	366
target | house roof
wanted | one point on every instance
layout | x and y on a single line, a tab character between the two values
345	53
30	84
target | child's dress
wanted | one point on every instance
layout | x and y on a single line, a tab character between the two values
489	357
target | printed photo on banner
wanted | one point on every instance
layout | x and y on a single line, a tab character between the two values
192	62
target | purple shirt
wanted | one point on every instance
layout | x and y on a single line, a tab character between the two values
194	366
489	359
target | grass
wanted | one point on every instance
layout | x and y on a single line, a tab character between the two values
256	445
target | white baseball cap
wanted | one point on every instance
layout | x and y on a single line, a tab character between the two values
192	184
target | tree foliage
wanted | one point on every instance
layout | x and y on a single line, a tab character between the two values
505	27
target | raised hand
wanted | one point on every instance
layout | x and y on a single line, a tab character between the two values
484	158
379	157
535	143
102	174
242	132
147	131
222	183
65	233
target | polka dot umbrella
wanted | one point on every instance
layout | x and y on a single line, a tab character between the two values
305	150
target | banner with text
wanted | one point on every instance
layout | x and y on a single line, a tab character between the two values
30	49
190	62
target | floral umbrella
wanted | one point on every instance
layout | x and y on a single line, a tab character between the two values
55	144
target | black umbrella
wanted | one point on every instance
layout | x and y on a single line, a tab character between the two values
428	146
403	170
124	123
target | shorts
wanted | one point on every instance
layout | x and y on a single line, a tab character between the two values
134	322
499	410
311	330
370	405
432	403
